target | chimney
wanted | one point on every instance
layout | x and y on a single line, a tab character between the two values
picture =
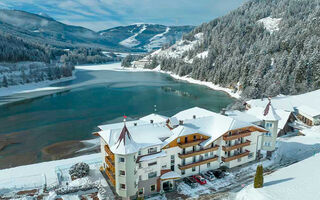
180	122
151	121
194	116
135	124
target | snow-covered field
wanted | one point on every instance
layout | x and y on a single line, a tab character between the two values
297	181
53	173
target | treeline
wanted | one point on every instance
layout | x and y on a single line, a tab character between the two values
241	50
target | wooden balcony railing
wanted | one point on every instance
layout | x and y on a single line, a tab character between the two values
109	152
202	151
201	162
237	135
110	176
110	163
236	146
228	159
190	144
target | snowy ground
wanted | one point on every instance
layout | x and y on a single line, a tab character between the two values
271	24
32	87
53	173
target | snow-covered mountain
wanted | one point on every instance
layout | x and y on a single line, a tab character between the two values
44	29
265	47
146	37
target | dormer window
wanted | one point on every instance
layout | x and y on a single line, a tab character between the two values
152	150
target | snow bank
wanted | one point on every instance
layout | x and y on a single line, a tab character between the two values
294	182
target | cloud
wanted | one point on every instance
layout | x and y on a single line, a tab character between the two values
102	14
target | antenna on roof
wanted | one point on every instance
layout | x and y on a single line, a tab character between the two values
155	108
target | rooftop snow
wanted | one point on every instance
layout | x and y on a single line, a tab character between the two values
155	117
170	175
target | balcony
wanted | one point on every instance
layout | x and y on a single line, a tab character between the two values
190	144
236	146
198	163
228	159
235	136
110	176
194	153
109	152
110	163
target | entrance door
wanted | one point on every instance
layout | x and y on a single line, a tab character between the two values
167	186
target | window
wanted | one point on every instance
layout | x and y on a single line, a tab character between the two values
178	140
122	173
122	186
250	155
153	188
268	134
151	164
206	155
164	166
193	169
121	159
194	137
208	164
267	144
211	153
139	153
268	125
140	165
239	159
152	150
140	178
152	175
183	172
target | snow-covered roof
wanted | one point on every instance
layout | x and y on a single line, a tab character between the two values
289	103
155	117
193	112
269	113
148	134
170	175
125	143
243	116
120	124
153	156
312	112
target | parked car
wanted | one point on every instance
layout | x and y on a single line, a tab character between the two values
208	176
218	173
191	182
200	179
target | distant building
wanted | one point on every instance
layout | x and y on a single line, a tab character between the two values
141	63
309	116
148	155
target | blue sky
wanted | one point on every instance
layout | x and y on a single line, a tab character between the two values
102	14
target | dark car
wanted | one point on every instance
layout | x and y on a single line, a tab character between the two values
218	173
190	181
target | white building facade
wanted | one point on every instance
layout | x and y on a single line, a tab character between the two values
148	155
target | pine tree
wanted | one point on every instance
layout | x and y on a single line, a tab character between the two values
258	178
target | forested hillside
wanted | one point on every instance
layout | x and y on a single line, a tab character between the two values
269	47
23	61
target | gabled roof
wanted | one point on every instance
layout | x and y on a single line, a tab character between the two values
312	112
